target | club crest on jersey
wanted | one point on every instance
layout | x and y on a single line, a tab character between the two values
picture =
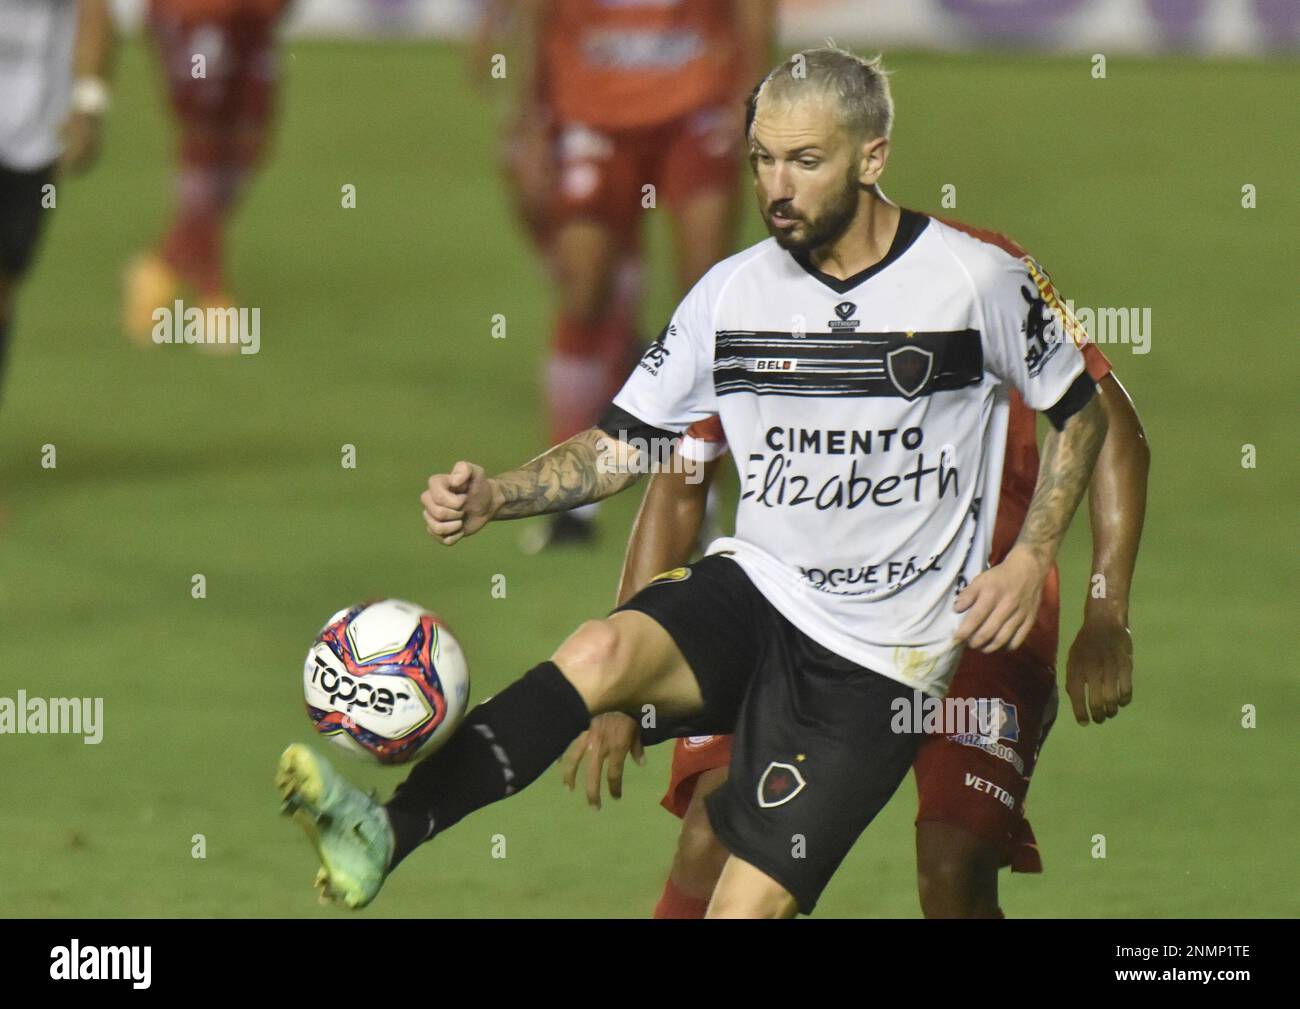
843	321
674	575
997	719
909	369
779	784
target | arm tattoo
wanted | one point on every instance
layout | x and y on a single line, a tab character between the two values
1063	476
571	474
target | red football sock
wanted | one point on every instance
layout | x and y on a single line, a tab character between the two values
589	363
676	904
575	394
192	246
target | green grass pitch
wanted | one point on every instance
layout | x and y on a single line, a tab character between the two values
376	333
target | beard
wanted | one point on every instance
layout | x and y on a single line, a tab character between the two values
817	232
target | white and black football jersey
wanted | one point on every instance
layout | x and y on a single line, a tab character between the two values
37	38
867	419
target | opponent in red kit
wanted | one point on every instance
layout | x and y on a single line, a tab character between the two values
971	783
620	109
219	57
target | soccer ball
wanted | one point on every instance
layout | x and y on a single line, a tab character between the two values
386	679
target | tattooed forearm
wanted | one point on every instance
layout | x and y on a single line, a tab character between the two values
1063	475
583	469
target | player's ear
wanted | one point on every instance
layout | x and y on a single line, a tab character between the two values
875	153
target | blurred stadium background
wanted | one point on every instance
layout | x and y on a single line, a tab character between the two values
376	333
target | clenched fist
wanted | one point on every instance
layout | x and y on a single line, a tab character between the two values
459	503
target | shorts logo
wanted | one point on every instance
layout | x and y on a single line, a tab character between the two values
997	720
779	784
909	369
675	575
698	742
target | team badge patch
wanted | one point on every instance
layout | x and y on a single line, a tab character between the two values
675	575
779	784
909	369
843	320
998	719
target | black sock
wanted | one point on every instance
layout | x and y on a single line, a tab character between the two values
503	745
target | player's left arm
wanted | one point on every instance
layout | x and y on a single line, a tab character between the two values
1001	603
1099	671
91	63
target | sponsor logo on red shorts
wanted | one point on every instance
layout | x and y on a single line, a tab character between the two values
988	788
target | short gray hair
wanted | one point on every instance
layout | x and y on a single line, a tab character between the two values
858	87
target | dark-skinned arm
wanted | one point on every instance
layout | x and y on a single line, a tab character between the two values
1099	671
667	526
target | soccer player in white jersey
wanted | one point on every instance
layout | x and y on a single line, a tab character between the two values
54	57
861	361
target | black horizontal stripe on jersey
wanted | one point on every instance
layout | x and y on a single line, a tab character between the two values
890	364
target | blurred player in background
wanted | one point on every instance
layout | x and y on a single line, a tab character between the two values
610	99
964	834
219	57
54	61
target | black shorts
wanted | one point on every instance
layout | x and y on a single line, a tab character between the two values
814	758
21	217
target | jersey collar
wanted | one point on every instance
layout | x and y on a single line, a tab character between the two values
910	226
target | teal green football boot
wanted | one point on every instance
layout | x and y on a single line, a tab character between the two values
349	829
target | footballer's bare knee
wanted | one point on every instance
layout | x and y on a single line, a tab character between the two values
627	660
590	660
746	892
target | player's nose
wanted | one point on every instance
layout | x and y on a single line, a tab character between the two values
782	187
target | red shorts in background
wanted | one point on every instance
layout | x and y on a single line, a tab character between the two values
239	67
602	172
693	756
977	780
